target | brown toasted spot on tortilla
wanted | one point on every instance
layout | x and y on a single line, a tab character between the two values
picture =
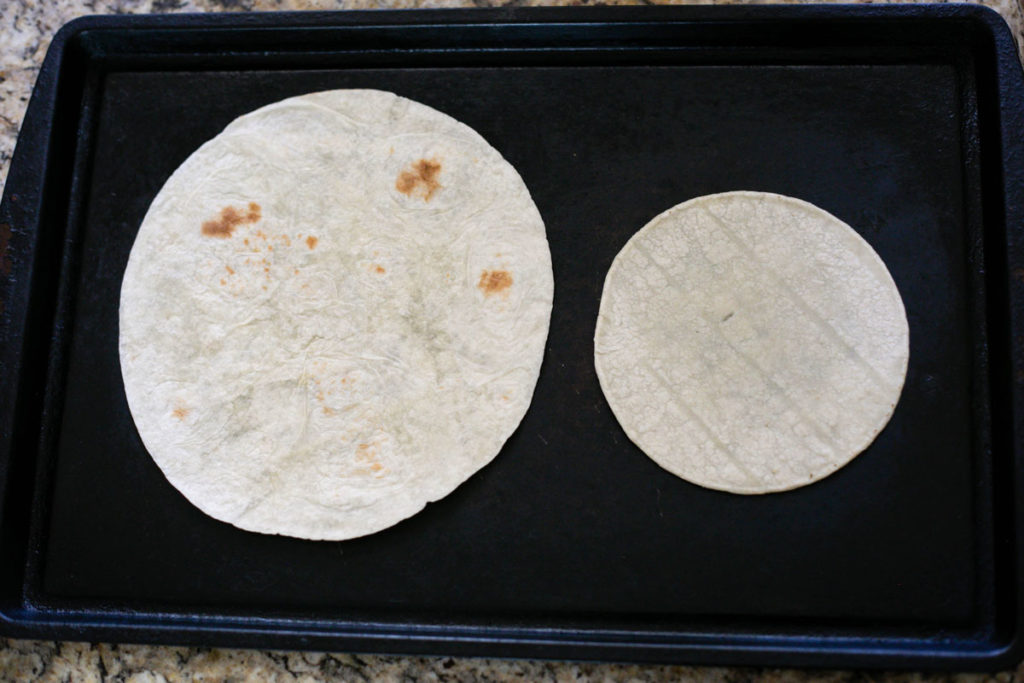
311	242
266	269
376	467
319	395
420	179
328	411
231	271
180	413
379	269
495	282
230	218
296	271
223	281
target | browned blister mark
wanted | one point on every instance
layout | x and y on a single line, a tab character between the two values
495	282
230	218
420	179
311	242
180	413
366	455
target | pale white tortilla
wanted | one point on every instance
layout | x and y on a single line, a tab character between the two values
334	312
750	342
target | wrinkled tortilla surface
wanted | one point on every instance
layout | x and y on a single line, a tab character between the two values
750	342
334	313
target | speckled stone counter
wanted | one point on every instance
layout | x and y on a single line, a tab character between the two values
26	27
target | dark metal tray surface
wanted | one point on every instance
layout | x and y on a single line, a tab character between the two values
904	122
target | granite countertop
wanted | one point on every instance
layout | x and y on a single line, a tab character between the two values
26	27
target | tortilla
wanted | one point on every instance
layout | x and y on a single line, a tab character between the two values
750	342
334	313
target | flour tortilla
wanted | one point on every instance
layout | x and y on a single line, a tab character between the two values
750	342
334	312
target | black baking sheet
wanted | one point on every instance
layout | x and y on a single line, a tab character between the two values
572	543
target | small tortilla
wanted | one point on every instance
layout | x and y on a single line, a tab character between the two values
334	312
750	342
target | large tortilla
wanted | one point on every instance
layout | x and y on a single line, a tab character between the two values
750	342
334	312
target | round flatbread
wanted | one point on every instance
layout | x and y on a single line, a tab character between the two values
334	312
750	342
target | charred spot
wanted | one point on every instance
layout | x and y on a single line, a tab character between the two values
230	218
494	282
420	179
311	242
